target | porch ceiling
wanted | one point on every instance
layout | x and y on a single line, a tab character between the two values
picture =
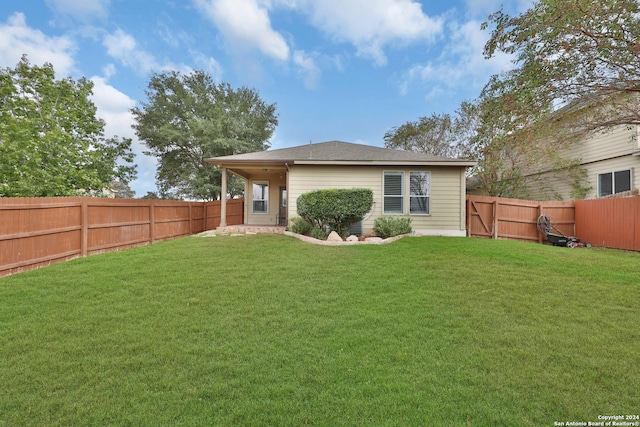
247	171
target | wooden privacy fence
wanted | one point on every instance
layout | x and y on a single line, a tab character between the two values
501	218
40	231
612	223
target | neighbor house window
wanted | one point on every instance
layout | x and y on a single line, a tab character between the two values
393	193
260	197
419	191
614	182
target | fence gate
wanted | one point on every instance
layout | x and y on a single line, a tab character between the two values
502	218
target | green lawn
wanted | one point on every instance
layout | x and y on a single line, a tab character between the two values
269	331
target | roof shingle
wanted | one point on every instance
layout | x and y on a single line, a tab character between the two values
334	151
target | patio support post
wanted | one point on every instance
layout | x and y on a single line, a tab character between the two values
223	199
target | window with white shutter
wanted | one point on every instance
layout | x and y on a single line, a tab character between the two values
393	193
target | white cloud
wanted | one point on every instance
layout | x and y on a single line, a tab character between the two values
308	67
124	48
17	39
460	64
246	25
114	107
372	25
208	64
81	10
109	70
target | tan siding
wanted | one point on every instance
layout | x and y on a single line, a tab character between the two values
447	206
619	141
612	165
550	186
561	188
604	152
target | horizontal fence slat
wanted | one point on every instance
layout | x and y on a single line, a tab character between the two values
39	206
165	221
38	233
120	224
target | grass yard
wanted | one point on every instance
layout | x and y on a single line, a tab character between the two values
269	331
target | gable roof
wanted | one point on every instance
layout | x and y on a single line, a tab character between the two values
338	152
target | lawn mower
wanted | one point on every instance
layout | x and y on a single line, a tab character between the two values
547	226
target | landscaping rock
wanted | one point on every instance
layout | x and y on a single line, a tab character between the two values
334	237
352	238
373	239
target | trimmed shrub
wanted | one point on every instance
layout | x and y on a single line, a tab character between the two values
389	226
318	233
334	208
300	226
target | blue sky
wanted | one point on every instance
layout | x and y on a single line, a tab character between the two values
348	70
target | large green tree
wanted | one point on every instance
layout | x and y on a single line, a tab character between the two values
439	134
577	54
188	118
51	142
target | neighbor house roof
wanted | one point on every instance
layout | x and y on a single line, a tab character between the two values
338	152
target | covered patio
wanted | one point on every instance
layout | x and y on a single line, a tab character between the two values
266	184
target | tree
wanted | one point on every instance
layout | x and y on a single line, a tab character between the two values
151	195
512	147
51	142
122	190
439	134
577	54
189	118
433	135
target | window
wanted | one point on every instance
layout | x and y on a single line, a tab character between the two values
419	185
260	197
614	182
393	193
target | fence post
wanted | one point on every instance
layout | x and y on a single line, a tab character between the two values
467	216
540	239
84	233
495	219
152	222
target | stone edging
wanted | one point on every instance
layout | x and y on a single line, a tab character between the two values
311	240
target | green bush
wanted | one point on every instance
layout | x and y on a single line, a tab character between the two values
334	208
318	233
389	226
300	226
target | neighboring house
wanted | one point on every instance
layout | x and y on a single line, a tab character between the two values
610	160
429	189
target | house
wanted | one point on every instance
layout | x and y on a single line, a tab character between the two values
429	189
609	159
